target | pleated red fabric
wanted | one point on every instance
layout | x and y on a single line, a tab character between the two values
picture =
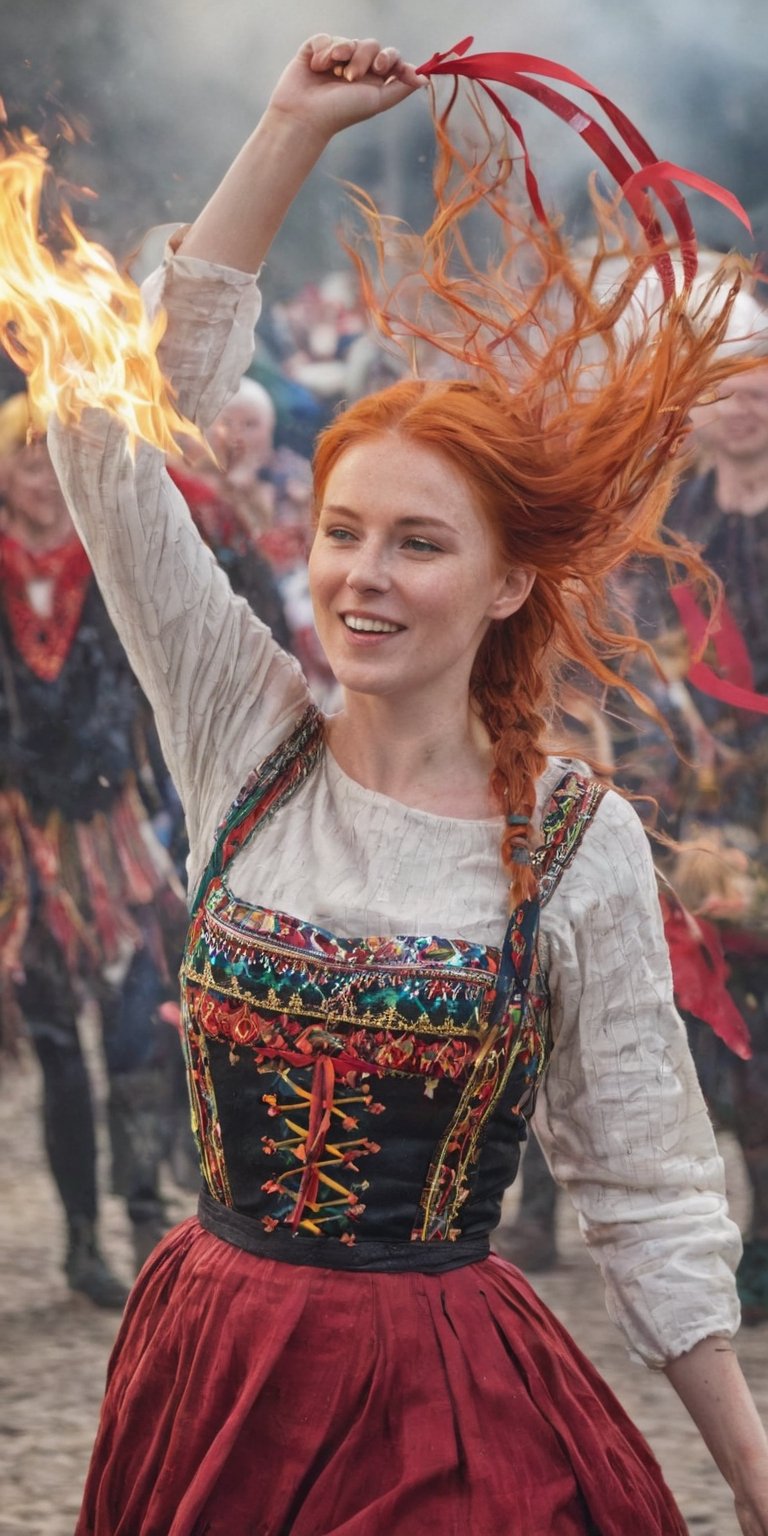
248	1397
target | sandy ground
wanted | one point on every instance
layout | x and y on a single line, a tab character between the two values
54	1347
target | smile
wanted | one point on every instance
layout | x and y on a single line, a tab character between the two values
362	626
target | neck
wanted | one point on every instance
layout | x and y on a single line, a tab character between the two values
742	487
39	541
437	760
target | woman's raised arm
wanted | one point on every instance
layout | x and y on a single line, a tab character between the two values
220	689
331	84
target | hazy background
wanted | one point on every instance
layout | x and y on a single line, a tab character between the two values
169	88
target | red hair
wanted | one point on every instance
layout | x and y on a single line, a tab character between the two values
564	421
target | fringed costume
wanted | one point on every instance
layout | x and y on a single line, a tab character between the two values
89	901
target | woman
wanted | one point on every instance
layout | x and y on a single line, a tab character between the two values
330	1348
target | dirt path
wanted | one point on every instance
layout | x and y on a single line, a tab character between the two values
54	1348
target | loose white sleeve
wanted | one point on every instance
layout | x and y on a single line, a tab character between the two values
222	691
621	1118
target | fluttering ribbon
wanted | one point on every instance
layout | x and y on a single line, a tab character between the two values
650	174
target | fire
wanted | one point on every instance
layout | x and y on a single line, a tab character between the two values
71	320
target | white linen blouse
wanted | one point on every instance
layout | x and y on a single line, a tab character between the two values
620	1116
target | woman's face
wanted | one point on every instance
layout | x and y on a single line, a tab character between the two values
404	574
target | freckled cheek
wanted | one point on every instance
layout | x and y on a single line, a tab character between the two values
325	582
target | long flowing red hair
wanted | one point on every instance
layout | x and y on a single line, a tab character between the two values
573	385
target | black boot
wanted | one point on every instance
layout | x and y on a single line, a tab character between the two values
86	1268
138	1128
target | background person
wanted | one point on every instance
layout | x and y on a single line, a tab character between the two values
86	889
724	510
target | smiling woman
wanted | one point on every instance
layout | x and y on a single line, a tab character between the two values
403	600
407	921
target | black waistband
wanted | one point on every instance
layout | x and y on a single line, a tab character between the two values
330	1253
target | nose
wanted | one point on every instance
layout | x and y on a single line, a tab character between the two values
368	570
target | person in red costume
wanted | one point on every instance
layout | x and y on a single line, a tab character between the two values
722	806
397	909
82	876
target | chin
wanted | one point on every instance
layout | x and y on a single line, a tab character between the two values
355	680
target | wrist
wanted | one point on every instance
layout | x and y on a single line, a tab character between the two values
747	1467
292	131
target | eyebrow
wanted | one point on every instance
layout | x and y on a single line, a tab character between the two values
401	522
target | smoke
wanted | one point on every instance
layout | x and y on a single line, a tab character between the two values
171	87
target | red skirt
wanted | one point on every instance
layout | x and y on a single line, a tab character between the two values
246	1397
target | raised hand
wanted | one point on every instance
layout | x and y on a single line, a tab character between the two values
332	83
336	81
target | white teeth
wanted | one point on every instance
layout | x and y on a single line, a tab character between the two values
370	626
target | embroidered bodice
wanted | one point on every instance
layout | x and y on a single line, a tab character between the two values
362	1089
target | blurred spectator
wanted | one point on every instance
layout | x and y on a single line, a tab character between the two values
725	510
312	332
278	481
253	505
87	893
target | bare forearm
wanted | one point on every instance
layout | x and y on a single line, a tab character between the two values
238	224
709	1381
332	84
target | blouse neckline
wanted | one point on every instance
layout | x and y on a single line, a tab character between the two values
369	797
339	780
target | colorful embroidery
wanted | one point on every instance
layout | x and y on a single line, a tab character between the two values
267	788
287	966
323	1018
574	802
206	1126
510	1060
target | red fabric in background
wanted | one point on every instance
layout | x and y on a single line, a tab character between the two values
735	685
700	975
268	1399
652	174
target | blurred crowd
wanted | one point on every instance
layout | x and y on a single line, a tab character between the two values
91	836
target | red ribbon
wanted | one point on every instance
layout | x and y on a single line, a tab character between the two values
320	1111
653	174
734	684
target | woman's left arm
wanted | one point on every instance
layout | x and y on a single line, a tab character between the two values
622	1122
709	1381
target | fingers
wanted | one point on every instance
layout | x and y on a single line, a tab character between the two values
352	59
365	54
407	74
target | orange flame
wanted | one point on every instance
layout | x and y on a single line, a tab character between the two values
71	321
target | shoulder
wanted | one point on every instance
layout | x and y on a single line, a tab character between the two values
616	811
593	844
557	769
612	853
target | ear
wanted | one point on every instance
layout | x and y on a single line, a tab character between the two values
511	593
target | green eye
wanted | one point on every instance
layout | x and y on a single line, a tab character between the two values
423	546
